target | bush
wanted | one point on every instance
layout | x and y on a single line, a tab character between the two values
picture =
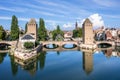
29	45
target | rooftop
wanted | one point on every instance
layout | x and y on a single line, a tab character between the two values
27	37
87	21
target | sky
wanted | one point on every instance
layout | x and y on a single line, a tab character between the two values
61	12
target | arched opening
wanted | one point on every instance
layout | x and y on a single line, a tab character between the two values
69	46
104	45
4	46
51	46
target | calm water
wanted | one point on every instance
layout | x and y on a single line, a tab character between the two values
64	65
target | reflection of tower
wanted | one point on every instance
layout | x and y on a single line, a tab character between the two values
88	62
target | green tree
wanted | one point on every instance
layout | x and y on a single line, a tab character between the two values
29	45
42	32
77	33
14	34
2	33
57	32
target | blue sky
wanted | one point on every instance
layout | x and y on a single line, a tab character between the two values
61	12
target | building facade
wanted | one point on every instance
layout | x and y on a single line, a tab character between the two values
32	28
88	37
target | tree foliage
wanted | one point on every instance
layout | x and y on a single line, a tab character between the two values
77	33
2	33
57	32
14	28
29	45
42	32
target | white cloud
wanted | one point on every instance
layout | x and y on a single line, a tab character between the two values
68	25
106	3
5	18
96	19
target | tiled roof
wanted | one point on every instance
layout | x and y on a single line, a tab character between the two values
32	21
28	37
87	21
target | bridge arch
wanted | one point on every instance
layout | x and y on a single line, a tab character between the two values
60	43
105	43
5	44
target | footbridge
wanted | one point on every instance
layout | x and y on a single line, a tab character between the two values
59	43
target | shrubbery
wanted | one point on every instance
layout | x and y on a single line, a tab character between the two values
29	45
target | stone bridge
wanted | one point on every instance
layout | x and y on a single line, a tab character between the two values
108	42
59	43
9	43
60	49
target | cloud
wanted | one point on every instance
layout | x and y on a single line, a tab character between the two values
96	19
68	25
13	9
106	3
5	18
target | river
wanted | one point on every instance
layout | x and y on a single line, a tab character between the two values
64	65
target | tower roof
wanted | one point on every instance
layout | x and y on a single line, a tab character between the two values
32	21
87	21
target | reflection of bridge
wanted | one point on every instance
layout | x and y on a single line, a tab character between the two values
104	42
11	43
4	51
59	43
59	49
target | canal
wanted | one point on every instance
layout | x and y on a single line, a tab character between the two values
64	65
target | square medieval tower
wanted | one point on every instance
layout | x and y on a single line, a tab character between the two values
87	32
32	28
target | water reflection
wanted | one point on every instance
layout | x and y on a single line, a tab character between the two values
73	64
88	62
14	66
2	55
41	59
29	65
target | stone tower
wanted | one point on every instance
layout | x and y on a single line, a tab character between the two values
87	32
32	28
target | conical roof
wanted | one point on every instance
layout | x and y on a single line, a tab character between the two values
87	21
32	21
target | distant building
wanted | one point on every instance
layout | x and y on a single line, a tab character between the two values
68	35
31	34
26	38
76	26
108	35
32	28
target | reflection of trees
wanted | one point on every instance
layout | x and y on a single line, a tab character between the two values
2	55
14	67
58	53
41	58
